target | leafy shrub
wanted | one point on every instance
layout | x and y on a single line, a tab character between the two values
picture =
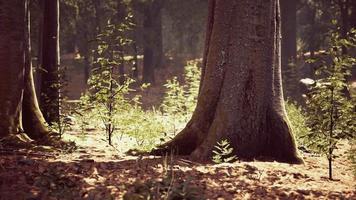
180	100
330	112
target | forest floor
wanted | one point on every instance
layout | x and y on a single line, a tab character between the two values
95	170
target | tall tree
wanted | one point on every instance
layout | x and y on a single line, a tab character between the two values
19	111
289	48
50	62
153	48
241	96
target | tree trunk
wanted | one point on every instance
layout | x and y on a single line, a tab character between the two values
153	48
12	33
135	61
121	14
32	118
289	49
353	14
241	96
50	62
18	100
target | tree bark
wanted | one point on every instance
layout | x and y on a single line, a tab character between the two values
241	96
18	102
32	118
12	46
50	62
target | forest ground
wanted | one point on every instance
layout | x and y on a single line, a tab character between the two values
97	171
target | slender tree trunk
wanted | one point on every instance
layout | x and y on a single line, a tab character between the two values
159	55
153	48
32	118
344	10
135	61
289	49
39	70
50	62
353	14
121	14
241	96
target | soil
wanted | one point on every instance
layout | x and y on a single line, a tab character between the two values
101	172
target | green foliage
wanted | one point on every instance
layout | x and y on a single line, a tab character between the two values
180	100
330	112
298	121
106	92
141	129
223	153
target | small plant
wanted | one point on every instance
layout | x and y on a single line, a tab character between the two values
223	153
106	88
298	120
180	100
330	111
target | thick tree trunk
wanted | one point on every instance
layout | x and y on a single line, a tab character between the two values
289	49
50	62
12	46
241	96
32	118
18	102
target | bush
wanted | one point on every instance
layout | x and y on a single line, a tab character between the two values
330	111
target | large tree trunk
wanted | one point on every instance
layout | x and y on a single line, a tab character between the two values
289	49
50	62
17	100
241	96
12	33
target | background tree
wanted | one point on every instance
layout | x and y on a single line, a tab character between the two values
50	62
152	47
289	49
240	98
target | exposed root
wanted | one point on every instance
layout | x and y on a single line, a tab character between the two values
182	144
20	140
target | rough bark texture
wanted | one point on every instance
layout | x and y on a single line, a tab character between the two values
32	118
50	62
289	49
241	96
12	33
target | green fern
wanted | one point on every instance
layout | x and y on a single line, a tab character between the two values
223	153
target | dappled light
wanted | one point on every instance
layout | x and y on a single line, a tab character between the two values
177	99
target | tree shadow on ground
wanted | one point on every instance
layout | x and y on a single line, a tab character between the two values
38	177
